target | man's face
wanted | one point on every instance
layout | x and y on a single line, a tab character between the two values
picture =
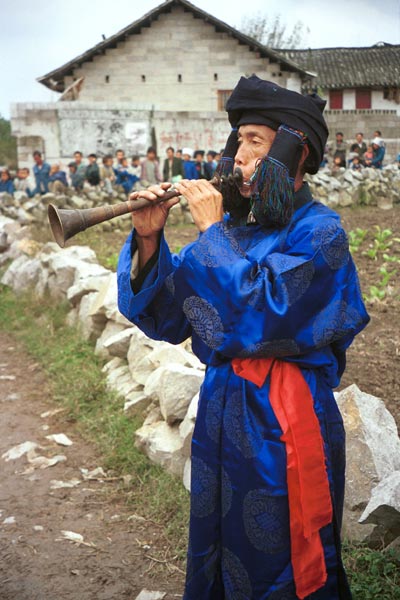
92	159
359	138
170	153
4	176
77	158
151	156
119	155
198	158
37	158
255	142
339	137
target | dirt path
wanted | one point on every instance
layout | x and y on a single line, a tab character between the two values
114	562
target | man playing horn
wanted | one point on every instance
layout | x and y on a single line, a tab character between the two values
270	296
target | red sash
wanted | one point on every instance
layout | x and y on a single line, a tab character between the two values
310	504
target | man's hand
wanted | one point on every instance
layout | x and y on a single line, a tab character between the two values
149	221
205	202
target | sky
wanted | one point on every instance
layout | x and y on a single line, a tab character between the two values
37	37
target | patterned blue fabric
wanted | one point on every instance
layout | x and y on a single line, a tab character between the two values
252	291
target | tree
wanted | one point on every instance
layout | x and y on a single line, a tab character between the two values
272	32
8	145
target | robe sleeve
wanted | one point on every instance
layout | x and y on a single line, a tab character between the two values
283	303
153	308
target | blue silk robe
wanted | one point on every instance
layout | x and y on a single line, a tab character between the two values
254	292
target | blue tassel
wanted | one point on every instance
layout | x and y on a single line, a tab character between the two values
273	201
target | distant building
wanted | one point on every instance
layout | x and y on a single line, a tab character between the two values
361	85
164	80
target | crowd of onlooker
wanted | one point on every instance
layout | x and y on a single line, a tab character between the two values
357	155
119	173
112	173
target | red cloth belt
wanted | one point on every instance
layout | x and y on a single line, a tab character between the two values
310	504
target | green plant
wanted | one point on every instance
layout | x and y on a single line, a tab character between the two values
356	238
373	574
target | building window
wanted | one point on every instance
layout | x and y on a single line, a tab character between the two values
223	96
363	98
143	78
107	79
180	78
336	99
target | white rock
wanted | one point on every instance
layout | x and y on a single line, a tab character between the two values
118	344
136	403
120	381
60	438
384	508
148	595
372	453
85	285
22	274
114	363
110	330
187	471
178	385
19	450
165	354
163	445
89	326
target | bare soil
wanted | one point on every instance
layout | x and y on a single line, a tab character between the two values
120	553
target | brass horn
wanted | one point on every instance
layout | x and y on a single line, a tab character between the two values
65	223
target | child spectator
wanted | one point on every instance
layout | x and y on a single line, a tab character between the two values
80	174
119	155
57	180
188	165
356	164
6	183
212	163
340	149
107	174
368	156
41	171
150	168
202	168
23	182
125	178
92	174
75	178
379	153
136	167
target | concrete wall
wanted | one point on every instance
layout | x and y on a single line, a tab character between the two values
58	129
177	44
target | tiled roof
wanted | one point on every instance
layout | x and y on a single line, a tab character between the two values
376	66
55	79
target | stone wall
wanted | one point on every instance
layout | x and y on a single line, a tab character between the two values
161	382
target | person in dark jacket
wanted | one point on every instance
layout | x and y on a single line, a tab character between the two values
173	166
92	170
202	167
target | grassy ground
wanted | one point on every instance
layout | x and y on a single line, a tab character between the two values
99	415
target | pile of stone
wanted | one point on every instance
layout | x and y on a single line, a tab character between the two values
347	187
161	382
